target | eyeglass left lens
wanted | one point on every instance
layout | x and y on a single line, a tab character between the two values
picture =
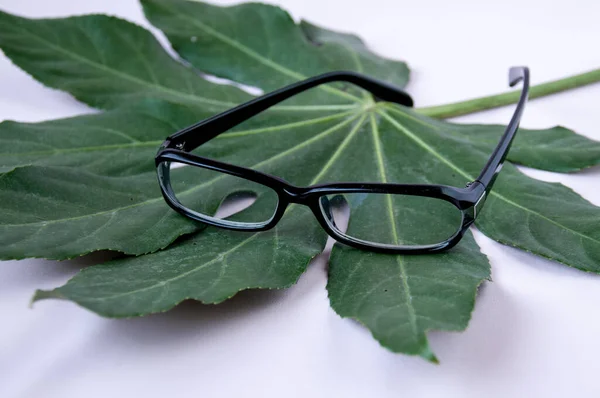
219	197
393	220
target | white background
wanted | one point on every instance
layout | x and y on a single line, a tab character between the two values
535	330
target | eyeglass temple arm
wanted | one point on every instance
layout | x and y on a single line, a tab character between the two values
197	134
494	164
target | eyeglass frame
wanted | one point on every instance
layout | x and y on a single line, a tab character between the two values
469	200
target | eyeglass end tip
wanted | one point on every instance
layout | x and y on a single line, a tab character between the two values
517	74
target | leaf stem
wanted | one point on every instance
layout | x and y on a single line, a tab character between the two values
498	100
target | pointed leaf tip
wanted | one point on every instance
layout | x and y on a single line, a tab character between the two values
428	355
46	294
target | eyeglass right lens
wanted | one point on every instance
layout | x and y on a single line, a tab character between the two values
395	220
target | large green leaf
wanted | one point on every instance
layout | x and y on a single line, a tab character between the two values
210	267
56	204
400	298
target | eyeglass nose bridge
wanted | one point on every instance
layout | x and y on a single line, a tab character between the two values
318	203
297	195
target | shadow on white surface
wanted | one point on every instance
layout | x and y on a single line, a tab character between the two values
488	342
190	320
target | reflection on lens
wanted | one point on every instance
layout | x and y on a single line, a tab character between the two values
336	210
235	203
219	196
395	220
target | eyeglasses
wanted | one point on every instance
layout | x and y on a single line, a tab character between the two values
444	212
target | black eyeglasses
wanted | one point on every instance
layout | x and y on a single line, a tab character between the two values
449	210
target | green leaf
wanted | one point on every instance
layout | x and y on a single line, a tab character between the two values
400	298
547	219
210	267
61	212
106	62
119	142
555	149
56	205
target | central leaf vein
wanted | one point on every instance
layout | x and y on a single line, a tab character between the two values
401	266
